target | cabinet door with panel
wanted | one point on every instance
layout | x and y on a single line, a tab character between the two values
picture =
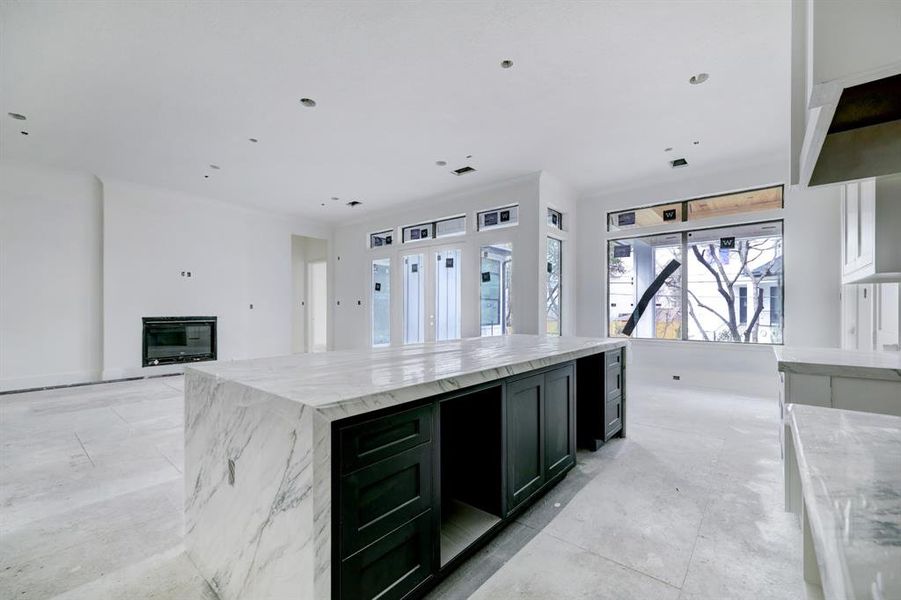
524	425
559	421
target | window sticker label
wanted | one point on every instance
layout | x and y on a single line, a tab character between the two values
622	251
505	216
448	263
727	242
425	233
491	218
378	286
414	268
669	214
486	276
625	219
414	234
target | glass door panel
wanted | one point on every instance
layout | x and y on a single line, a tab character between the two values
446	318
414	285
381	302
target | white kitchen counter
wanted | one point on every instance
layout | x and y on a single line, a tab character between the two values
840	363
849	468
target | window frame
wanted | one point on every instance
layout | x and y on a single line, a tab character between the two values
684	202
479	213
683	232
559	333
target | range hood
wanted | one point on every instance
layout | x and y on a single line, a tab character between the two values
859	133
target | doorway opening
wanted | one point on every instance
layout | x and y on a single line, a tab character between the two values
309	265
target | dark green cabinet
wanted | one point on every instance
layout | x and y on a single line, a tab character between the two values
525	452
541	431
398	476
559	421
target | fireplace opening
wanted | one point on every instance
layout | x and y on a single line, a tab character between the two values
169	340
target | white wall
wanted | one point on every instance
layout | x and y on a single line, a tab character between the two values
50	276
237	258
82	261
352	258
812	278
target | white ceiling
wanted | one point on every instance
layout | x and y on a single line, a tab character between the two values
154	92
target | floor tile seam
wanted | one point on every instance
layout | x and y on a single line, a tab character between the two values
694	544
83	449
613	560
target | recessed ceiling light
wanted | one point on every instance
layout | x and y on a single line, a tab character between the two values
24	132
670	149
215	167
335	198
206	176
506	64
308	102
696	142
17	116
254	140
322	204
441	163
698	79
469	156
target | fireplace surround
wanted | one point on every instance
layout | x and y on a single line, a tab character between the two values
170	340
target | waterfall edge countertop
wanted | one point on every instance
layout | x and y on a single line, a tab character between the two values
839	363
343	383
850	468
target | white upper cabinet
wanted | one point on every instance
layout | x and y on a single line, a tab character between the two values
871	231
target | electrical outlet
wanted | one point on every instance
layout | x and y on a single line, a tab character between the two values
251	307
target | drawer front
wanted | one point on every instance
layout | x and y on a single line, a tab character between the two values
614	381
391	567
380	497
613	421
369	442
614	358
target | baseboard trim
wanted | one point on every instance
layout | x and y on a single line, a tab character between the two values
6	392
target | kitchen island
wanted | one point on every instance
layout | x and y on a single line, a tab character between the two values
357	474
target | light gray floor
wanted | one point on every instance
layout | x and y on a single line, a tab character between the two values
689	506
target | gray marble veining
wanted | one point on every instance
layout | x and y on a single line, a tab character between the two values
850	468
258	443
839	363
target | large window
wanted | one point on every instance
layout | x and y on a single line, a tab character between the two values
722	284
494	289
553	304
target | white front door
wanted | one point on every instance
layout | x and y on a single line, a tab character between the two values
431	287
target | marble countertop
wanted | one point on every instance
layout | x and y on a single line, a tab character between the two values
850	466
837	362
346	382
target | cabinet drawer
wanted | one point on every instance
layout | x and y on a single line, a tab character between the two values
393	566
613	420
614	384
380	497
614	358
371	441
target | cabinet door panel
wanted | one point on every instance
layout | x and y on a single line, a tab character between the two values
391	567
378	498
559	421
525	458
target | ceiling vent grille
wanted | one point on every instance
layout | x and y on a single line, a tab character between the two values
463	171
679	162
353	203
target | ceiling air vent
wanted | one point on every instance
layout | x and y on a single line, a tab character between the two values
679	162
463	171
353	203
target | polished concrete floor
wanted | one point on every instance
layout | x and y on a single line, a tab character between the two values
688	506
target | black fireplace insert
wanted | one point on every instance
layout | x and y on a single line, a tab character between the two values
169	340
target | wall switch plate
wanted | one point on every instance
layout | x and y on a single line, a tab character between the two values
251	307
